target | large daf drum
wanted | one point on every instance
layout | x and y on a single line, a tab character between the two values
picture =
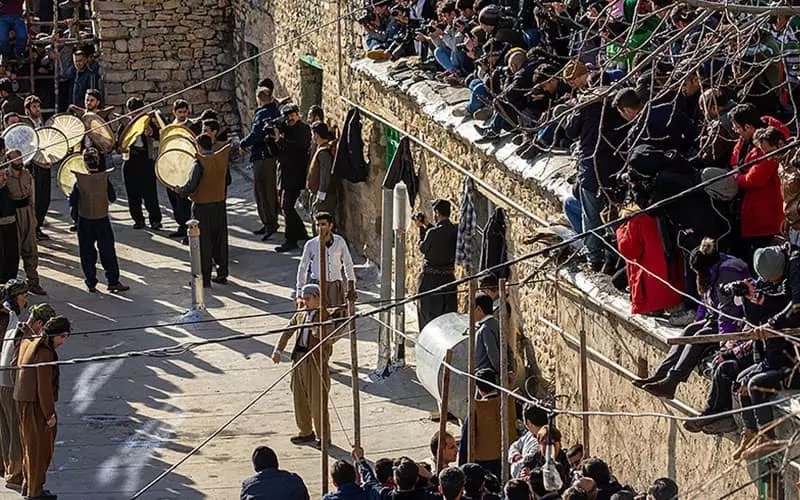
448	331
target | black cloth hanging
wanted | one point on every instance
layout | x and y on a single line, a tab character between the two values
494	250
402	169
349	162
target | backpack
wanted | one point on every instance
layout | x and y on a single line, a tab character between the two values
724	189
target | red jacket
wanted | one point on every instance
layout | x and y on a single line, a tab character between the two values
639	240
762	202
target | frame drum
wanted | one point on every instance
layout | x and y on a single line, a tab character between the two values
23	138
133	131
66	177
174	167
99	132
177	142
169	130
69	125
53	146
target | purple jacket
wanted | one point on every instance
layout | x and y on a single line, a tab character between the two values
728	270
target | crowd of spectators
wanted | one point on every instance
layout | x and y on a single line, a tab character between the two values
540	469
651	98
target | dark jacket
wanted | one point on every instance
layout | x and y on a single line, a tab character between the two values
584	125
438	246
494	250
7	206
82	81
256	139
349	162
350	491
293	157
728	270
664	126
13	104
274	484
402	169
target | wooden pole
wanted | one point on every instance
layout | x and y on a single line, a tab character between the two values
443	409
584	378
471	370
504	437
351	310
323	285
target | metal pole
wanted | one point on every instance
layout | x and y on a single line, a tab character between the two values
198	299
351	310
443	410
504	437
384	346
471	369
323	400
584	378
400	197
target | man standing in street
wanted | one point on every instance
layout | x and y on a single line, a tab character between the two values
9	420
320	175
337	259
438	246
139	173
90	198
293	146
20	188
36	393
181	207
310	378
262	155
206	189
41	173
9	242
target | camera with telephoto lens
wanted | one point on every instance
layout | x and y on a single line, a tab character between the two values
736	289
280	124
368	17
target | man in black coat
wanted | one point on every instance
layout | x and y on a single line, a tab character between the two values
438	246
293	146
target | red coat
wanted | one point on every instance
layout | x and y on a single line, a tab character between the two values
762	202
639	240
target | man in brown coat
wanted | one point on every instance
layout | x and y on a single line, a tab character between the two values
21	191
320	180
36	393
310	378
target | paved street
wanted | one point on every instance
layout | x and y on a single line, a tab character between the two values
121	423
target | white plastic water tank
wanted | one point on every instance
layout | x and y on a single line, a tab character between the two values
448	331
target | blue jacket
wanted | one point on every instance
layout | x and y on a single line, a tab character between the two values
256	139
598	159
350	491
274	484
664	126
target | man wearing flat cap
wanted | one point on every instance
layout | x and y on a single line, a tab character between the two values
437	242
310	377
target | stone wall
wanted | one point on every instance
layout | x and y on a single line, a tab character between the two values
153	48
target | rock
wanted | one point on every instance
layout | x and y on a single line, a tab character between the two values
118	76
121	45
220	96
114	33
158	75
135	44
138	86
166	64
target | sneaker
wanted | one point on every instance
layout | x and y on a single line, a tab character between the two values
46	495
260	231
719	426
40	236
73	228
378	55
14	486
745	440
155	226
138	225
663	388
482	114
92	289
119	287
308	438
36	290
269	233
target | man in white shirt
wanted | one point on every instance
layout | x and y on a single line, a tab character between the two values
535	418
339	263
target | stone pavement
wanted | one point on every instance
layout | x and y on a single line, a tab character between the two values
121	423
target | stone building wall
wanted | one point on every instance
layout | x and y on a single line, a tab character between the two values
640	449
153	48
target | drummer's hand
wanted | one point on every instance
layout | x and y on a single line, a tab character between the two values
148	132
276	133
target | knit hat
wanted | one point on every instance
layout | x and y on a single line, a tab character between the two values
310	289
769	262
42	312
574	69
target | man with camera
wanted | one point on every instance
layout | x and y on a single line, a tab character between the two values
262	155
380	28
437	242
293	139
